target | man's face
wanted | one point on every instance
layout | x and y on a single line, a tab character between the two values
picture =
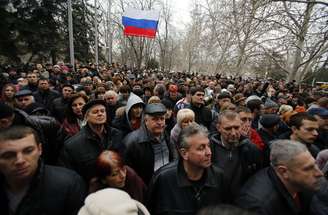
155	124
198	98
32	78
303	173
24	101
199	152
308	132
111	99
97	115
230	130
246	122
43	85
223	101
19	158
67	91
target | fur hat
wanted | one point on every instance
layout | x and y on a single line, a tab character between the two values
111	201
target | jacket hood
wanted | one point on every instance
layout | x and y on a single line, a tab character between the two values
132	100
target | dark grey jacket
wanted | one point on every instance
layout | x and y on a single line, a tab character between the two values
53	191
139	154
81	151
172	193
238	163
266	194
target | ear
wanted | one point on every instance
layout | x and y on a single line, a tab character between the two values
40	148
293	129
282	171
218	127
183	153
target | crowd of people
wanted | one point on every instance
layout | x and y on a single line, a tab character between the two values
115	140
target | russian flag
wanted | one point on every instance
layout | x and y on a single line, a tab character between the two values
140	23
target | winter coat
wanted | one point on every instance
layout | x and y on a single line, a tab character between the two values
123	122
238	163
139	153
53	191
81	151
171	193
265	194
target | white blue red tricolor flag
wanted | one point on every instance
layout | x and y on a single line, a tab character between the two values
140	23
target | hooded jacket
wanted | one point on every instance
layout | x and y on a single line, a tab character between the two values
123	122
238	163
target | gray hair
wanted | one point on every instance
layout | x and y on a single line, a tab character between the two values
284	151
111	93
189	131
227	114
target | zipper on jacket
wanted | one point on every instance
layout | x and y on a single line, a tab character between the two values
230	155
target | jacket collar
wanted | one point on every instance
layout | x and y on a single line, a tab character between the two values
183	181
277	183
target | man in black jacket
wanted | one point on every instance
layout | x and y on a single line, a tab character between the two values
81	151
44	94
285	187
27	186
236	155
203	115
185	186
148	148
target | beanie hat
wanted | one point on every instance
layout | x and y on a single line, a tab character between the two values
111	201
5	110
270	104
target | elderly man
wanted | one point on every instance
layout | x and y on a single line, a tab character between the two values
27	186
81	151
187	185
285	187
235	154
111	98
148	148
23	99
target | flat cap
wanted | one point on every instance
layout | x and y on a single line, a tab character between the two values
155	109
252	97
23	93
92	103
269	120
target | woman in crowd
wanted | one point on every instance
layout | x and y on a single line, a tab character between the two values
111	172
8	94
184	118
74	117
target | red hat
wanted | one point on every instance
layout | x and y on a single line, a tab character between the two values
173	88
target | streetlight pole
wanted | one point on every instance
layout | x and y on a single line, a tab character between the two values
109	32
70	33
96	35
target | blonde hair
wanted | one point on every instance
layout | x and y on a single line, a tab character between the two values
183	114
154	99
